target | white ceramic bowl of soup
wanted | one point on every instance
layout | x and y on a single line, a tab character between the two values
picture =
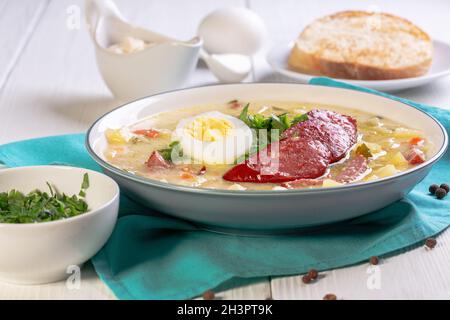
273	209
43	252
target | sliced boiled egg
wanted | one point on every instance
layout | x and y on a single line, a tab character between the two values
213	138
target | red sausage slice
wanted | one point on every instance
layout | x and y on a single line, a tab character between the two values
305	150
156	161
337	132
297	159
347	122
355	169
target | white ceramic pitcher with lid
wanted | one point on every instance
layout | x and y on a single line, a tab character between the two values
164	65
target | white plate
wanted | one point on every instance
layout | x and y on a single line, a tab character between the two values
278	56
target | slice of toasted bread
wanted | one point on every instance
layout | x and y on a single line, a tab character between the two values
362	45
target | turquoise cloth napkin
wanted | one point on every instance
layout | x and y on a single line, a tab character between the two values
150	256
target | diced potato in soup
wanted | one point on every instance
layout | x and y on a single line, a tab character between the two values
233	146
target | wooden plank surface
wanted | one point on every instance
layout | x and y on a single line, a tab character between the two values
49	84
17	23
54	88
417	274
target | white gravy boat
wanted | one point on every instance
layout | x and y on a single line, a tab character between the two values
164	65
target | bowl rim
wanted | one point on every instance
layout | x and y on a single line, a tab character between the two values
65	220
224	192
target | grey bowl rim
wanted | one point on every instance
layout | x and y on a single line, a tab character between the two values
223	192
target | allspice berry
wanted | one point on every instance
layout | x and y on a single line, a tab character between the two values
374	260
313	274
430	243
209	295
306	279
330	296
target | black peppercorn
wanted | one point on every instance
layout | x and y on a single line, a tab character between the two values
433	188
440	193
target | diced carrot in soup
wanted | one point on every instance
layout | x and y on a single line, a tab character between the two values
186	175
416	141
149	133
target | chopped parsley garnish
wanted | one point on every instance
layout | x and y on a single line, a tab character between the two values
39	206
364	151
280	122
166	153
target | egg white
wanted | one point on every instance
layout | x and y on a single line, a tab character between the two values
225	150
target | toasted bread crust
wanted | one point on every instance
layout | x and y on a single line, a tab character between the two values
316	63
310	64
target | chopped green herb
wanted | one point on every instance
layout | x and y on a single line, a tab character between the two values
85	183
299	118
280	122
38	206
363	150
174	146
134	140
260	122
244	115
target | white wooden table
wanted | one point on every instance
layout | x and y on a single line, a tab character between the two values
49	85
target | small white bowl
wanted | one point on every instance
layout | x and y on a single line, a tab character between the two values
36	253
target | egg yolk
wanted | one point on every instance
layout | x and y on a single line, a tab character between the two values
208	129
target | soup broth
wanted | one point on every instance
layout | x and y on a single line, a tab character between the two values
385	144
